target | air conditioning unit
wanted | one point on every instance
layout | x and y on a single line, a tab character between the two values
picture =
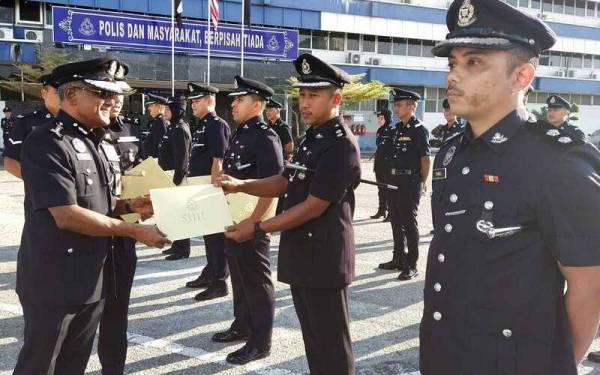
593	75
376	61
560	73
34	35
570	73
6	33
541	16
356	58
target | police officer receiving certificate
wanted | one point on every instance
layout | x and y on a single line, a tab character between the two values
25	124
316	253
158	125
409	170
254	152
209	143
71	179
516	209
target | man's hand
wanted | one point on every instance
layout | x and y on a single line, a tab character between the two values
151	236
228	184
240	232
142	206
423	188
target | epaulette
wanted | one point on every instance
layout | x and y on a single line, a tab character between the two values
20	116
553	135
57	130
450	138
339	131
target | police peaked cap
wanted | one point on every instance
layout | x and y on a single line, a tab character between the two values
493	24
47	80
316	73
400	94
556	101
7	109
274	104
104	74
153	98
196	90
246	86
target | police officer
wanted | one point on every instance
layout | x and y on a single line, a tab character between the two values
282	129
71	181
25	124
157	126
451	127
381	166
209	143
6	124
174	154
123	134
254	152
316	253
516	213
558	116
409	171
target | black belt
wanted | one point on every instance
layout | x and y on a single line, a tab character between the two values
400	172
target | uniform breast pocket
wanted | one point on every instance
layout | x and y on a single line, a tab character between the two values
86	180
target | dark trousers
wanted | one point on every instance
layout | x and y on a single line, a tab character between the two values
57	340
253	293
112	338
381	175
182	246
324	319
403	209
216	268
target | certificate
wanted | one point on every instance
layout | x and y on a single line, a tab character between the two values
190	211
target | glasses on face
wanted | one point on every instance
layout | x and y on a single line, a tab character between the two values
105	95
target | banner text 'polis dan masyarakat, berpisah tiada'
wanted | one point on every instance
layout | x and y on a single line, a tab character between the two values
149	33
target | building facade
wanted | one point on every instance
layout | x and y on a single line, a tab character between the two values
389	41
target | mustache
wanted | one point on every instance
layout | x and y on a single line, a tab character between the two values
452	89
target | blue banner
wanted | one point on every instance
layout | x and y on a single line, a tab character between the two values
147	33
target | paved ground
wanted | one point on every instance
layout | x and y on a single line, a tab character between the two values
170	332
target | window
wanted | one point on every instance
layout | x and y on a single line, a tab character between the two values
536	4
427	47
555	58
384	45
524	3
319	39
587	61
576	61
49	19
368	43
353	42
512	2
547	6
580	8
304	39
569	6
336	41
545	59
591	9
7	11
586	100
414	47
399	46
596	63
431	99
596	100
29	12
575	99
559	6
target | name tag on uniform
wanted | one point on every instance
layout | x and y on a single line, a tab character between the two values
404	139
127	139
439	174
110	152
84	156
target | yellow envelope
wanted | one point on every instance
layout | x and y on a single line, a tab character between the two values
190	211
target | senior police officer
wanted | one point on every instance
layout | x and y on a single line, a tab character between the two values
516	213
316	253
124	135
451	127
6	124
254	152
71	179
209	143
409	171
558	116
381	166
25	124
174	154
282	129
157	128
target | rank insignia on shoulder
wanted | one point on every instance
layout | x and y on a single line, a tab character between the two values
491	179
78	145
439	174
57	130
499	138
264	127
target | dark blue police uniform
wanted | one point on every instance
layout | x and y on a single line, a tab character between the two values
556	101
383	154
124	135
157	129
254	152
411	143
174	154
209	141
445	131
509	207
317	257
6	124
23	126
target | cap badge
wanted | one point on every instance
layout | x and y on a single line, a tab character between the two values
499	138
306	69
552	100
120	73
466	14
565	140
449	155
112	68
553	132
190	88
235	84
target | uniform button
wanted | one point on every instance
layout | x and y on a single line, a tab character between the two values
437	316
507	333
309	234
304	148
441	258
488	205
237	142
70	251
448	228
285	195
437	287
232	154
88	170
453	198
466	170
89	181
